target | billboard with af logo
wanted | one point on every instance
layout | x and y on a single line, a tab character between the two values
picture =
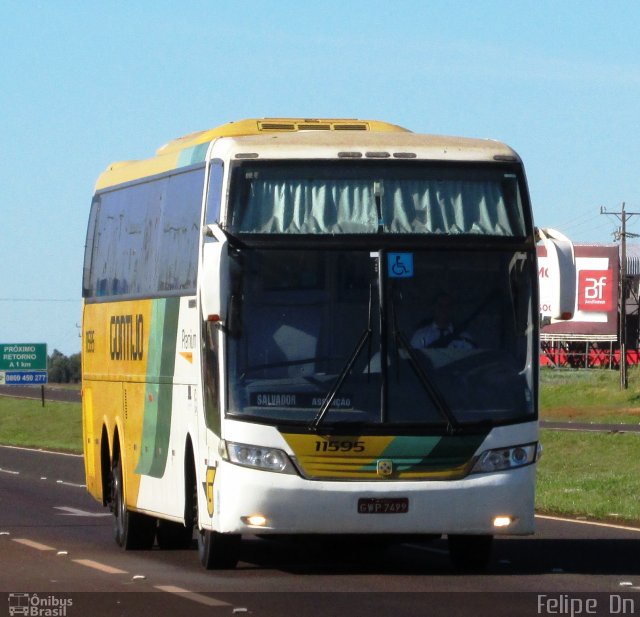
596	312
595	290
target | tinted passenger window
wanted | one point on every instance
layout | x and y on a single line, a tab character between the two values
146	237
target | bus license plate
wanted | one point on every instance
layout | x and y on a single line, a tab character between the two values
383	505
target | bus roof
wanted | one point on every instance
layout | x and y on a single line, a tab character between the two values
192	148
371	145
319	138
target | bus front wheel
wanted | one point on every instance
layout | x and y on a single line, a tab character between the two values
218	551
470	553
132	530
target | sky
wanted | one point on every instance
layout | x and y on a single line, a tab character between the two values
85	83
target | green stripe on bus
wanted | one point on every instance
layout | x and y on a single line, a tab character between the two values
159	392
454	450
193	155
429	453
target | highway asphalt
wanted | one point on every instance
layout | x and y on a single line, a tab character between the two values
55	540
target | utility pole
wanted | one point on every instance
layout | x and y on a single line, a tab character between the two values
622	234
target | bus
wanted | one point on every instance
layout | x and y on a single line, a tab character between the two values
259	350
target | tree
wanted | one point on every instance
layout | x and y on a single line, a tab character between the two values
63	369
75	368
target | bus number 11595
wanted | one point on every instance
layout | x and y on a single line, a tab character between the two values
346	445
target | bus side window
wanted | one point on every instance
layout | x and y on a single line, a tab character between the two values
214	192
176	251
89	287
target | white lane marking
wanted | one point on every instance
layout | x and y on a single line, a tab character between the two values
593	523
96	565
69	511
41	451
32	544
13	473
191	595
428	549
71	484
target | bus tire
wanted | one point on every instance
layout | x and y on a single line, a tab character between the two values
470	553
174	536
218	551
131	530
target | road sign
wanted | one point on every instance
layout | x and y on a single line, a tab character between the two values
23	357
23	378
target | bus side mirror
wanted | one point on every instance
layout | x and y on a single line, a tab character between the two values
561	264
214	286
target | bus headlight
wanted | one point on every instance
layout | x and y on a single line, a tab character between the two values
506	458
257	457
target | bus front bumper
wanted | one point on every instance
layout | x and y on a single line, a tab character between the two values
250	501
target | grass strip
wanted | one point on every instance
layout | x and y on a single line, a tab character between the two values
56	426
595	475
589	396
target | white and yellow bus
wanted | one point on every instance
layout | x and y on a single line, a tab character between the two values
260	352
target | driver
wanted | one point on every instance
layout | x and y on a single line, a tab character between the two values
440	333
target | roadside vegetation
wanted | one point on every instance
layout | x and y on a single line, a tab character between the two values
56	426
64	369
591	475
589	396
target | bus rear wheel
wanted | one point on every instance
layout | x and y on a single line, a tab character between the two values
131	530
218	551
470	553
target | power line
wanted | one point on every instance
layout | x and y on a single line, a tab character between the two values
589	223
576	221
38	300
622	234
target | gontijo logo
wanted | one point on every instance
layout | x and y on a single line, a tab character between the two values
126	337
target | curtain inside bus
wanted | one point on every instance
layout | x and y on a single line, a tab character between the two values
322	198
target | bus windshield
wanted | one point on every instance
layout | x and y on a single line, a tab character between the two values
398	197
420	338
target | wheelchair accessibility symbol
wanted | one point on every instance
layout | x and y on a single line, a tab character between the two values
400	265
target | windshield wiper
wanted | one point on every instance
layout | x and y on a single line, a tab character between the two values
430	388
441	404
328	401
338	383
